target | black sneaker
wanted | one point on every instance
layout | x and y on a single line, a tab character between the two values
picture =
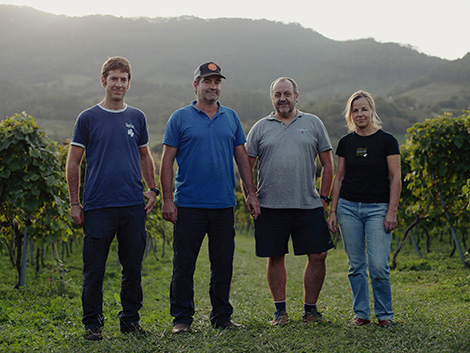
134	328
94	334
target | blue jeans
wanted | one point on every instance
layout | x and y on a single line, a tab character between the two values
367	245
188	234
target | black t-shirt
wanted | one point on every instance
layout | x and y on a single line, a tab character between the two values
366	175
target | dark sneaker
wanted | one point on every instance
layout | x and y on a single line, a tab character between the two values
94	334
314	316
134	328
181	328
385	323
359	322
280	318
227	325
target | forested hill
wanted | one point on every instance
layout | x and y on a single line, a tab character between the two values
50	68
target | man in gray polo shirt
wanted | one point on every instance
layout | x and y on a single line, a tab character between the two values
286	144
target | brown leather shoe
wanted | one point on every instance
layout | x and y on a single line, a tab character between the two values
227	325
280	318
314	316
181	328
134	328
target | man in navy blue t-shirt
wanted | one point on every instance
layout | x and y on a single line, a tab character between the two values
114	138
203	138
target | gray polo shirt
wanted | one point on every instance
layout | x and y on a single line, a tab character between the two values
287	160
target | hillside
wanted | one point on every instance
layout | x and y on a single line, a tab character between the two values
50	68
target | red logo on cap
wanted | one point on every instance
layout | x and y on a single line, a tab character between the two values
212	67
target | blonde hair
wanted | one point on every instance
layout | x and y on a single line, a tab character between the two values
375	119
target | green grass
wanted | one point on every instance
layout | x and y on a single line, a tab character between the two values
431	302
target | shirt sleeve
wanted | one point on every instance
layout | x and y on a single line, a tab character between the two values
80	131
324	143
170	137
252	141
144	136
392	146
240	134
340	150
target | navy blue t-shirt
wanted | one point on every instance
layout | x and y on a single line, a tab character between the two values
366	176
111	140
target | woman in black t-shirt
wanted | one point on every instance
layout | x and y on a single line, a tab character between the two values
364	204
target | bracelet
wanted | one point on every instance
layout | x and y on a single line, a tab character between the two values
333	211
75	204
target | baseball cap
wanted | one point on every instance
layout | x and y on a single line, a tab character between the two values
208	69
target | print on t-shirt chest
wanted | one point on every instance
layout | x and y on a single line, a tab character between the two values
131	131
367	155
361	152
122	129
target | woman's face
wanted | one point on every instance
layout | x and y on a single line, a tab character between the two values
361	113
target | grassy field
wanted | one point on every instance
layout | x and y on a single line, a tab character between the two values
431	302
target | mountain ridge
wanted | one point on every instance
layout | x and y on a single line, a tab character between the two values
51	66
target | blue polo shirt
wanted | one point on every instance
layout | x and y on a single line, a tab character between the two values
111	140
205	176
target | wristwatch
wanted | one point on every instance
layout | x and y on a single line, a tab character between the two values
155	190
326	198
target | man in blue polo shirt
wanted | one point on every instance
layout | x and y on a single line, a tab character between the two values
203	138
114	137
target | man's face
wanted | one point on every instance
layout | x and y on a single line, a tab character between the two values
116	85
283	98
207	90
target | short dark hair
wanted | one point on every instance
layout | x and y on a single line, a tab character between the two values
291	80
116	63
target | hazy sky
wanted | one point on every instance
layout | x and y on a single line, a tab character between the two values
434	27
